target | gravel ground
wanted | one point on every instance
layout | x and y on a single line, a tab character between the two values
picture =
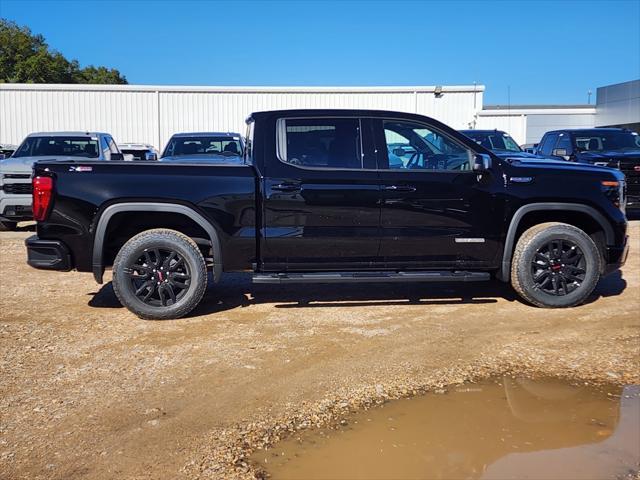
87	390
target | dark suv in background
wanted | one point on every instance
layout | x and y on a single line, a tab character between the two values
607	147
498	142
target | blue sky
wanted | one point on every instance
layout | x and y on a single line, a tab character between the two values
544	51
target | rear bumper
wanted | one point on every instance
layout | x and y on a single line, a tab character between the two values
616	257
48	254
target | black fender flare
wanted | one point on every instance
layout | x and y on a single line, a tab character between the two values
504	273
111	210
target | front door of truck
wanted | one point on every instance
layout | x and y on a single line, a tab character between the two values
321	194
435	211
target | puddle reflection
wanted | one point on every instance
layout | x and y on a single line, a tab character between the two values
514	428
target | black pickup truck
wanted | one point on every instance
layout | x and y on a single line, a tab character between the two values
317	199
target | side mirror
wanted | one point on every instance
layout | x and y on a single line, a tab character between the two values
399	152
559	152
151	156
117	156
481	163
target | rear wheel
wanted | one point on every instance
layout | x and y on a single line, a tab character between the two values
6	226
555	265
160	274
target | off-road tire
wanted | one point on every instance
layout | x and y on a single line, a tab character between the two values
163	239
528	245
6	226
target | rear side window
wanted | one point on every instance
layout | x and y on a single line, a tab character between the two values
320	142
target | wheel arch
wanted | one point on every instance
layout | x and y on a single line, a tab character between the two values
109	212
504	273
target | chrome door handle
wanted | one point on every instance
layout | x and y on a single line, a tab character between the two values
286	187
399	188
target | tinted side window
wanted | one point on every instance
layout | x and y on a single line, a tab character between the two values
104	144
565	142
112	145
416	146
320	142
548	143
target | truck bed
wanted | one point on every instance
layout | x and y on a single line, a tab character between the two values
222	194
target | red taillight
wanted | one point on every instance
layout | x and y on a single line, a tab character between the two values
42	195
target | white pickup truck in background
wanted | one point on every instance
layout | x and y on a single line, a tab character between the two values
15	171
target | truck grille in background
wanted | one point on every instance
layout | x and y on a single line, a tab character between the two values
628	167
17	175
18	188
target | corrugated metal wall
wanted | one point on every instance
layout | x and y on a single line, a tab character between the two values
514	125
152	114
529	125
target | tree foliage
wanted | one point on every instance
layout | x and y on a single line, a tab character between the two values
26	58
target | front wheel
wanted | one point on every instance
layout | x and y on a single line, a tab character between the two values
555	265
159	275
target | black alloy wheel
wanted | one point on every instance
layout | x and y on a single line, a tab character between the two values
559	267
159	276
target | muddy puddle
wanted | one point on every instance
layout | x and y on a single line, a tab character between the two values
501	429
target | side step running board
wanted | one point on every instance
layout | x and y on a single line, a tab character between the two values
371	277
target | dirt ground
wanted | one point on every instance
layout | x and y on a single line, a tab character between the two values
87	390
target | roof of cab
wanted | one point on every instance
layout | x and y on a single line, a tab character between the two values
336	112
66	134
467	132
206	134
589	130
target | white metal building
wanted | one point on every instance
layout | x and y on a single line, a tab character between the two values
151	114
616	105
527	123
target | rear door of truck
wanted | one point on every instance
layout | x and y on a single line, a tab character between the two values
321	195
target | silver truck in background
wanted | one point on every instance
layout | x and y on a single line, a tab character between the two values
15	171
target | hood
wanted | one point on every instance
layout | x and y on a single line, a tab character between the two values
606	155
25	164
507	154
545	164
209	159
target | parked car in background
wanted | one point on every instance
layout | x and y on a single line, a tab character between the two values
498	142
6	149
204	147
138	151
331	212
15	171
609	147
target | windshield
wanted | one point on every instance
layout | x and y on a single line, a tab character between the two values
606	141
227	146
495	141
86	147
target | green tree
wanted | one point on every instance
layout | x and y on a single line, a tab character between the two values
26	58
